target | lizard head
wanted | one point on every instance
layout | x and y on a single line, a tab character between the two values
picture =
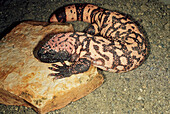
52	51
51	56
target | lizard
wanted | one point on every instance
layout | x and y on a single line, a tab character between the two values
113	42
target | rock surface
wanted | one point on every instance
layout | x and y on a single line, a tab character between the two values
23	78
144	90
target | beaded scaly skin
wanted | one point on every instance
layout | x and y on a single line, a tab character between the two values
113	42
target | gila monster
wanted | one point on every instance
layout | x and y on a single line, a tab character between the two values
113	42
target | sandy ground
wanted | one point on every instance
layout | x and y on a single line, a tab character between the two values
141	91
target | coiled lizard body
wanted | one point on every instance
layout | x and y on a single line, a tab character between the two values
112	43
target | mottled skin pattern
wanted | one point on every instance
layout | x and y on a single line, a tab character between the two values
112	43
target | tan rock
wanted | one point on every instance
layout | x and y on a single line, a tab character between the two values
23	78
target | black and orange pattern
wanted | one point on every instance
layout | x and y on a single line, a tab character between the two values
113	42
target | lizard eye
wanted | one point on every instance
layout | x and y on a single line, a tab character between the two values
51	56
47	56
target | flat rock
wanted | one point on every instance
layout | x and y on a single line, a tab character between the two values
24	79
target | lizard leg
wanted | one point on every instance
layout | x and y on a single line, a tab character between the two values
66	71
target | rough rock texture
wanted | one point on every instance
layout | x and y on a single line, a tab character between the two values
144	90
23	78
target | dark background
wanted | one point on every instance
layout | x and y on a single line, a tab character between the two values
141	91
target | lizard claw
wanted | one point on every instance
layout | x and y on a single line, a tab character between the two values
63	71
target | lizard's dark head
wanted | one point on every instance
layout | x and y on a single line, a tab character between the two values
51	56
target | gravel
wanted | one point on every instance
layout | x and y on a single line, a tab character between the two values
144	90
